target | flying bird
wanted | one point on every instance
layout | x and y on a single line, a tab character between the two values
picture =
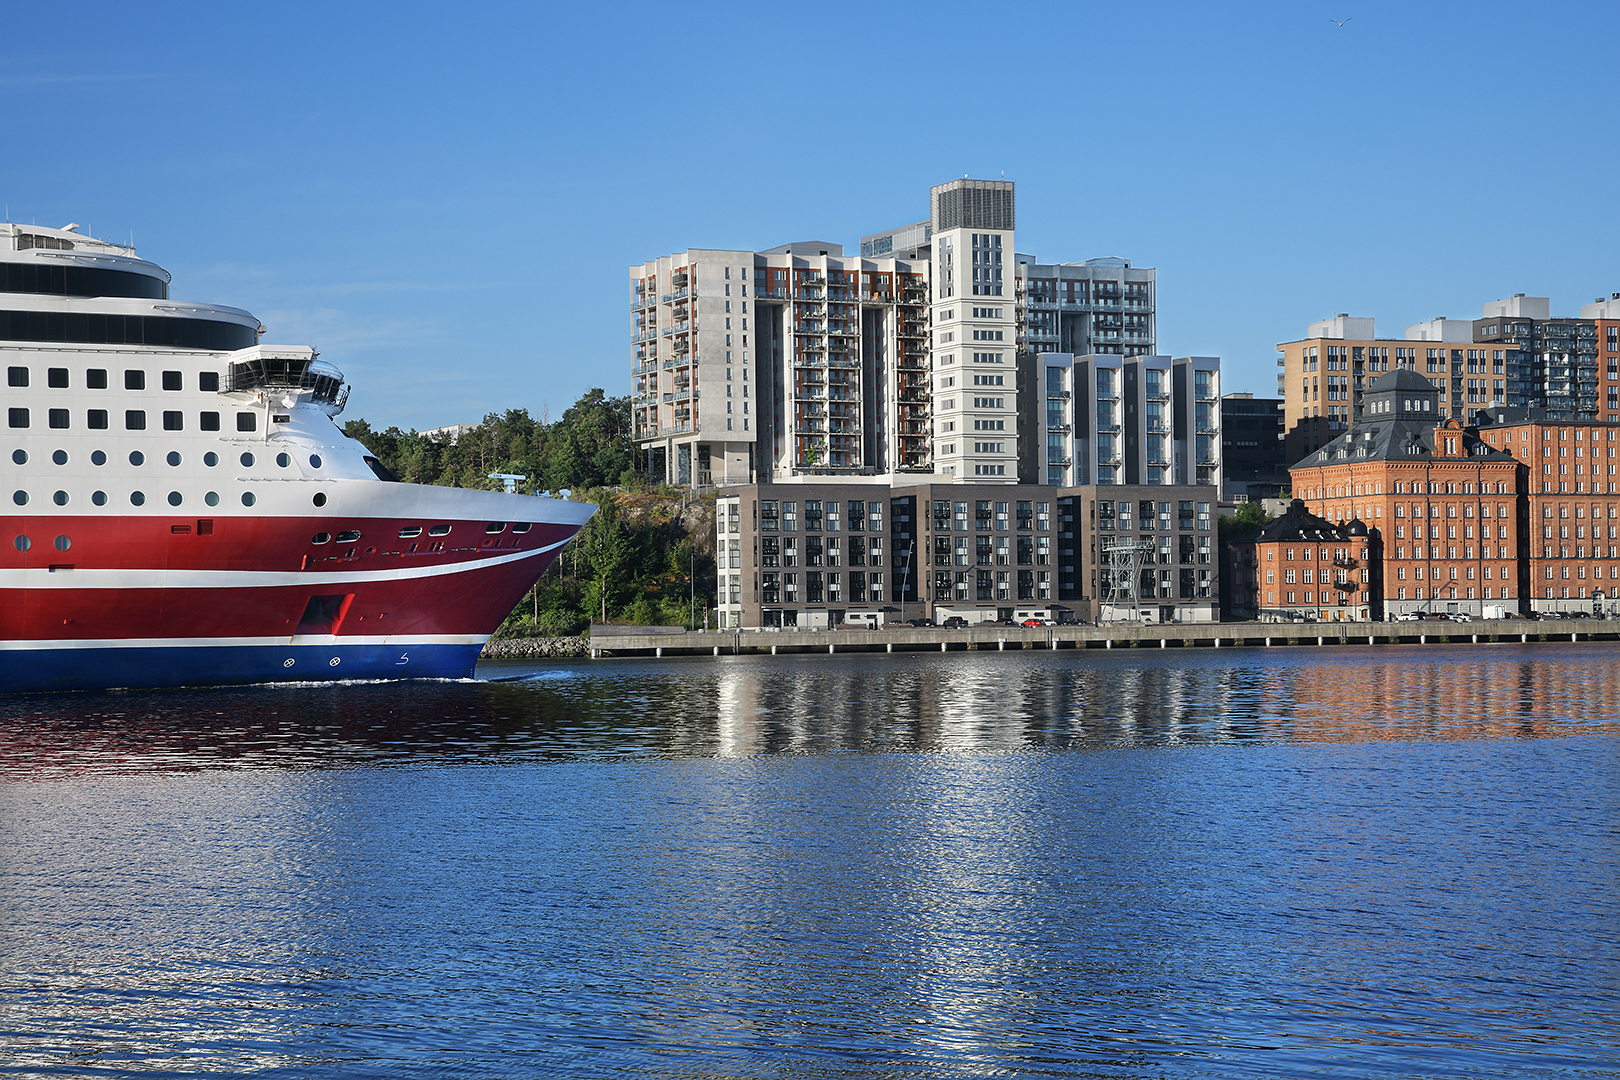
1336	22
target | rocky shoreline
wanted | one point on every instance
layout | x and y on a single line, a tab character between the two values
538	648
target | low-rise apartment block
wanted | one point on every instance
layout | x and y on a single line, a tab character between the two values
818	555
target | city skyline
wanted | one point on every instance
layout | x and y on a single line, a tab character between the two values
445	210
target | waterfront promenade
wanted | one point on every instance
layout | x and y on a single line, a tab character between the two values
607	640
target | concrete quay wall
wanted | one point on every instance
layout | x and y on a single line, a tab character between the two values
1186	635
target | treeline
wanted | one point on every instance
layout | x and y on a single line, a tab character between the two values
647	555
589	447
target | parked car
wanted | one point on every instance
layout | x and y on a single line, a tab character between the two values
955	622
1409	616
1038	622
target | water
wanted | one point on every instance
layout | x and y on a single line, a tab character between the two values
1397	861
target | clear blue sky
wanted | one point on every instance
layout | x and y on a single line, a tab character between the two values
444	199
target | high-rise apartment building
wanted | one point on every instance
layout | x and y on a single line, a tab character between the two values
1324	375
1111	419
1100	306
797	361
1558	357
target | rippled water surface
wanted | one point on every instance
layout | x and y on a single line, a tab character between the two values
1400	861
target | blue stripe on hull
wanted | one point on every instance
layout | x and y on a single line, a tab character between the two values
30	671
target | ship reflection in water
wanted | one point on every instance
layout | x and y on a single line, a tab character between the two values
1326	862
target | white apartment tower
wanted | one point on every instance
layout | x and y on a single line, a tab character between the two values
975	331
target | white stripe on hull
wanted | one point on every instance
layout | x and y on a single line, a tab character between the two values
122	578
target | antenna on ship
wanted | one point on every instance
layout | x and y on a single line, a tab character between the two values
510	480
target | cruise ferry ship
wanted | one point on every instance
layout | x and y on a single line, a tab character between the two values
179	507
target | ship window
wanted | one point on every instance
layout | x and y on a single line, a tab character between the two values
63	543
173	420
134	380
135	419
56	378
174	458
97	457
20	498
174	498
17	376
49	280
208	381
247	461
96	419
22	543
60	457
383	472
208	421
314	461
246	421
210	459
171	380
495	527
96	329
58	418
320	498
522	527
248	499
320	538
439	530
17	417
60	498
137	498
284	460
348	536
409	531
137	458
212	499
99	498
96	378
20	457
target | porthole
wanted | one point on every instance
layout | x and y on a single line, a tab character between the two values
210	459
247	461
60	457
212	498
410	531
439	530
174	498
97	458
320	538
63	543
20	498
20	457
137	498
495	527
283	460
320	498
137	458
174	458
523	527
60	498
247	498
348	536
314	461
99	498
22	543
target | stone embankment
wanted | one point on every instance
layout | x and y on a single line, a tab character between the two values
536	648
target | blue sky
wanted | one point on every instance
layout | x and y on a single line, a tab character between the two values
444	199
